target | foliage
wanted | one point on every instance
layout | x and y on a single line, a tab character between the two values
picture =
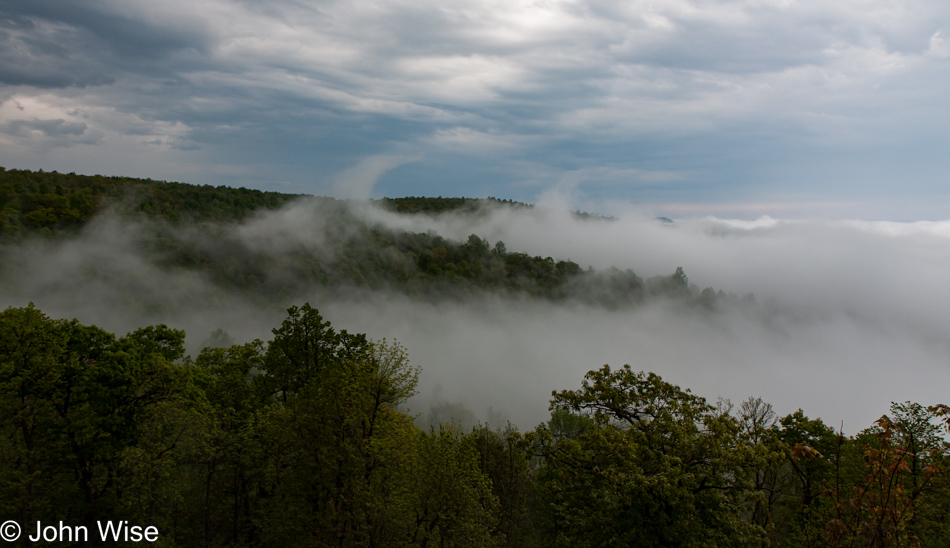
902	457
77	403
653	465
51	202
200	229
303	440
419	204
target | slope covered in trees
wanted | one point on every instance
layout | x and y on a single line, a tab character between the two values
421	204
304	440
205	229
49	202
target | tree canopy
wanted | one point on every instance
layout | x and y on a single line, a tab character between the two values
304	440
204	229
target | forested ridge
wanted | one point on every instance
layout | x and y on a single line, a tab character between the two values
51	203
304	440
197	228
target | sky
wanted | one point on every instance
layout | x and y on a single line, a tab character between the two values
797	109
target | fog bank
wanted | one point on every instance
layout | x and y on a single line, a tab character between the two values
849	316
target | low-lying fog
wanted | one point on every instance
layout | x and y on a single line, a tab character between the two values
849	316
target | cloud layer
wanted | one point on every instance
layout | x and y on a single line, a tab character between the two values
798	108
849	316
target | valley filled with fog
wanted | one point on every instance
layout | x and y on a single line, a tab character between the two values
847	316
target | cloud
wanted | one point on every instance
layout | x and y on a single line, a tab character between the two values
745	101
359	180
50	128
798	110
849	317
938	45
53	133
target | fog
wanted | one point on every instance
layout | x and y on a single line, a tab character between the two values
849	315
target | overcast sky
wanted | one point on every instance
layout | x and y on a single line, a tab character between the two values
792	108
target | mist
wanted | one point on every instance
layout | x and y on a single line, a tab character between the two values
848	315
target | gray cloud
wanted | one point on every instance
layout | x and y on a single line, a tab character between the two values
37	53
51	133
747	101
52	128
126	30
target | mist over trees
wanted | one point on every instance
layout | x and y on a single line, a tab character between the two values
305	434
304	440
198	228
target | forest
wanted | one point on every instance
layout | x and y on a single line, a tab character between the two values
303	440
189	227
308	438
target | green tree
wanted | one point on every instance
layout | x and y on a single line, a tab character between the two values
650	465
223	460
76	402
334	441
304	347
504	460
449	499
31	350
812	452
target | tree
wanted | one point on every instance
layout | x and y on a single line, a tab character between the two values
758	430
504	460
76	401
812	450
449	500
888	503
223	461
645	464
31	347
676	285
335	437
304	347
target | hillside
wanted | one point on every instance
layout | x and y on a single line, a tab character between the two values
52	203
199	228
284	427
